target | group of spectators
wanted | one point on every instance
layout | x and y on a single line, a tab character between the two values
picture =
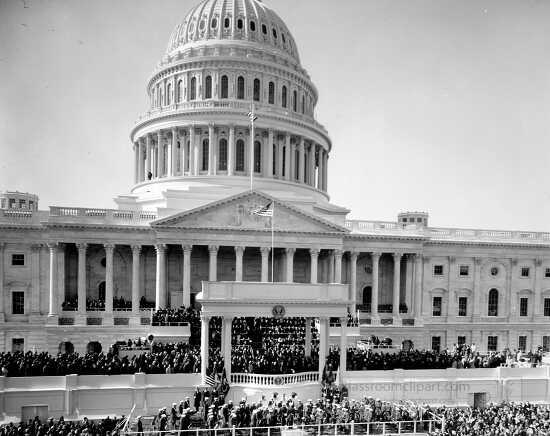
272	346
175	317
36	427
97	304
517	419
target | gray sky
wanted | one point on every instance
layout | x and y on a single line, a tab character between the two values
432	105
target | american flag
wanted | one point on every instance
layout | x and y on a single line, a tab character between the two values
210	381
266	210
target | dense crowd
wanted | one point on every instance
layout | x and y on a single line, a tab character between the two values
36	427
506	419
175	317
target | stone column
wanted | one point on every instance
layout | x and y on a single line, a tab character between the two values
187	250
239	252
338	266
418	271
537	288
109	252
82	278
312	164
194	146
136	162
52	311
331	267
205	325
290	264
323	333
320	180
160	155
231	151
60	274
314	264
325	172
375	274
35	280
2	245
396	282
226	345
301	160
265	263
211	160
279	159
173	153
353	281
288	160
307	343
477	290
148	157
269	152
213	263
343	345
136	250
141	161
160	288
184	155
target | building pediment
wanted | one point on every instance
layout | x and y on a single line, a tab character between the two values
236	213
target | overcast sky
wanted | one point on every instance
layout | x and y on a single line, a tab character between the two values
434	105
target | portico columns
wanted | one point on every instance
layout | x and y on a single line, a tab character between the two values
187	250
226	344
301	160
280	163
331	267
312	164
53	280
213	263
109	251
269	152
2	245
136	162
320	180
173	153
148	156
323	333
353	280
160	155
194	150
338	266
239	252
375	273
314	261
231	151
290	264
418	270
288	160
205	324
265	263
82	278
343	345
136	250
160	289
396	282
211	160
141	161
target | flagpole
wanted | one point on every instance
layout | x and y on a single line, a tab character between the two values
252	117
272	241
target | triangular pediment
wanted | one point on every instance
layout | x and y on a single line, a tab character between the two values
236	213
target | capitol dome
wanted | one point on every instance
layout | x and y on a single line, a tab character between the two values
246	21
195	143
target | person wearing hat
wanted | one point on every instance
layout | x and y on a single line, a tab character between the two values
139	426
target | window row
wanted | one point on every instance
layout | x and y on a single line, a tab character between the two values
492	343
287	98
464	271
12	203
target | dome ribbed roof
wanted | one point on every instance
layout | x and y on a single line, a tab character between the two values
233	20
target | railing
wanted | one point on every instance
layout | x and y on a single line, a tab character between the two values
19	216
393	228
275	380
112	216
421	427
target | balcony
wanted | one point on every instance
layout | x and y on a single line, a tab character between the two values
115	217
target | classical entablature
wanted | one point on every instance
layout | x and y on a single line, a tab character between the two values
235	214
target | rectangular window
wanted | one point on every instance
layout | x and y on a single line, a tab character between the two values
31	204
12	203
436	343
492	343
522	343
547	273
438	270
546	343
461	340
525	271
462	306
18	259
17	345
547	307
464	271
18	303
436	306
22	204
523	301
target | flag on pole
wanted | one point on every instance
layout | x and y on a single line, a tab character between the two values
265	211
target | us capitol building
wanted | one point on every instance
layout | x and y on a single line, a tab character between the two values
188	219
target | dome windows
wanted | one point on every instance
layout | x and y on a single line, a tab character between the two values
295	101
284	96
208	87
283	38
257	157
252	26
205	154
202	25
257	89
240	88
227	23
222	153
214	23
179	93
193	90
264	29
240	24
271	92
239	163
274	33
225	87
168	94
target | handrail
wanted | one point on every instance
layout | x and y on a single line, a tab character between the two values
275	379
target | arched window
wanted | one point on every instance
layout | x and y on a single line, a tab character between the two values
178	157
257	157
168	92
274	33
264	29
187	148
94	347
226	23
271	93
66	348
193	90
297	164
161	98
205	154
283	172
274	159
284	96
239	161
295	101
240	88
222	155
492	309
257	89
367	298
179	90
240	24
225	87
252	26
303	104
214	23
208	87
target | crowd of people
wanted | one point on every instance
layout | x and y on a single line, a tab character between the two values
98	304
176	317
506	419
37	427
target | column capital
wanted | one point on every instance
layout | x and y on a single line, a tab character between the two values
539	261
82	246
136	249
229	318
205	318
290	250
239	250
314	252
452	259
34	247
265	251
353	255
52	245
187	248
376	254
478	260
397	256
213	248
109	247
338	252
160	248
